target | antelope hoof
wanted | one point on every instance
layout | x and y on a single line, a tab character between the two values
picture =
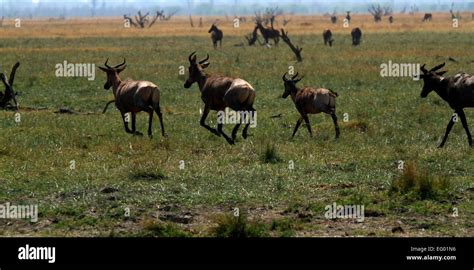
165	135
137	133
441	146
231	142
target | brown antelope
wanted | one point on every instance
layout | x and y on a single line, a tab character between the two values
356	34
327	36
268	33
10	94
133	97
457	91
310	101
216	35
219	92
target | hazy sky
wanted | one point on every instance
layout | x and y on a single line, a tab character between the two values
34	8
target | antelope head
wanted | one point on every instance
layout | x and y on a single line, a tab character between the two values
431	78
112	73
213	27
290	84
196	69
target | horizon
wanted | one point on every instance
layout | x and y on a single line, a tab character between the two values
111	8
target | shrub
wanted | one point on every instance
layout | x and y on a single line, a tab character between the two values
420	184
238	227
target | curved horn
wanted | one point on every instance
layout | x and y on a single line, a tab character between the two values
191	55
437	67
117	66
294	77
297	80
12	73
424	69
202	61
284	77
106	65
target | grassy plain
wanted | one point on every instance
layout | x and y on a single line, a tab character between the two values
387	121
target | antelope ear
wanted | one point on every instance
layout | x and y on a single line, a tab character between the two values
440	73
205	64
103	69
120	69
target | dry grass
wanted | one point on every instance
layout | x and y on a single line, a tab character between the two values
179	26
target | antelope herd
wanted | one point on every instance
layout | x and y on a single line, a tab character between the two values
220	92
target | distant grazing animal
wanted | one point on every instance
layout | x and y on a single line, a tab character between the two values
427	17
356	34
327	36
309	100
269	33
216	35
219	92
133	97
457	91
334	19
10	94
348	16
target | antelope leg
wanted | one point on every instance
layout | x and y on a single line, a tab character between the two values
234	131
134	120
298	123
160	116
308	125
219	128
125	123
203	121
466	127
150	123
251	115
336	126
448	129
107	105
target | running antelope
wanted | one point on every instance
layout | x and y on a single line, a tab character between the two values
457	91
133	97
309	100
269	33
216	35
219	92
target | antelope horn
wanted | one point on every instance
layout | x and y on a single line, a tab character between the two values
294	77
424	69
297	80
191	55
284	77
106	65
438	67
117	66
203	61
